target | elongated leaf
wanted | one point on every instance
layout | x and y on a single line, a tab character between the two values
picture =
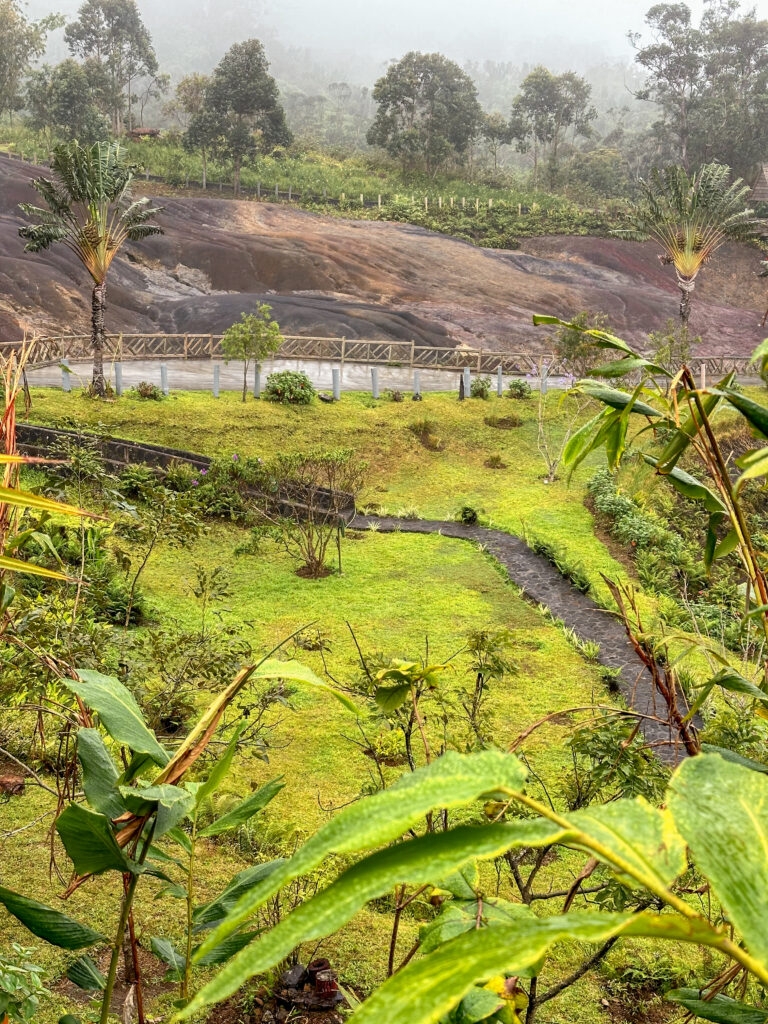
99	774
633	833
86	975
166	951
208	914
90	842
456	917
690	487
731	755
689	428
25	499
721	1009
17	565
451	781
220	770
47	923
239	815
427	989
582	441
721	810
615	398
295	672
629	364
227	949
170	803
754	413
118	711
754	464
601	339
733	681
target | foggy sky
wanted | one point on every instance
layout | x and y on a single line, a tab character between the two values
360	36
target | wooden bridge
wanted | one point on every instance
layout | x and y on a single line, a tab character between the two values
129	347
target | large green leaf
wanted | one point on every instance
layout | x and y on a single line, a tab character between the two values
731	755
427	989
459	916
451	781
754	413
720	1009
220	770
688	429
689	486
86	975
600	339
118	711
298	673
171	804
208	914
478	1005
629	364
635	834
47	923
99	774
615	398
721	810
239	815
90	842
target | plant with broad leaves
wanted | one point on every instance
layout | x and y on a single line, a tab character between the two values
672	405
126	811
21	984
479	947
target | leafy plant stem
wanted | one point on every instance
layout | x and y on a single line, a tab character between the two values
190	907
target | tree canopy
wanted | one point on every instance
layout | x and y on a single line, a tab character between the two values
21	42
428	111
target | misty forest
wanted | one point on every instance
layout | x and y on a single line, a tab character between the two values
384	512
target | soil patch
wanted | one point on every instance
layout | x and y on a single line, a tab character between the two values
153	972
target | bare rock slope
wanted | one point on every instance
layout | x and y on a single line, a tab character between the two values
360	279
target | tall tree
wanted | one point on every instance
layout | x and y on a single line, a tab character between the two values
188	107
112	34
88	208
547	106
496	132
60	99
21	42
691	217
427	111
243	102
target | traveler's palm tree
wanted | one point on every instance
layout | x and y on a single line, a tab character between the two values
690	218
88	207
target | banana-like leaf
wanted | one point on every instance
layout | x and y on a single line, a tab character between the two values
118	711
220	770
615	398
170	804
17	565
602	339
427	989
635	837
90	842
26	499
239	815
734	682
207	915
731	755
754	413
721	810
167	952
689	427
754	464
227	949
47	923
720	1009
86	975
629	364
452	780
99	774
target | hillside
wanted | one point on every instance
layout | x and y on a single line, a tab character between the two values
331	276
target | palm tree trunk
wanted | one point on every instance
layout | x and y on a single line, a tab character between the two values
686	286
98	304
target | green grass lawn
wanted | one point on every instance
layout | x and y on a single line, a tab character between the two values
397	590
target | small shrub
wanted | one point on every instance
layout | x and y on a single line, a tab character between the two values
480	387
519	389
503	422
468	515
396	395
572	571
21	984
426	431
495	461
147	391
291	387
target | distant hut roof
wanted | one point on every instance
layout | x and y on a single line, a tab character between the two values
760	188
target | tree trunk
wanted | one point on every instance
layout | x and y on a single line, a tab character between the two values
236	182
98	304
686	286
205	169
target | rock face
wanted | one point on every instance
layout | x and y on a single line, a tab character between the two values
361	279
